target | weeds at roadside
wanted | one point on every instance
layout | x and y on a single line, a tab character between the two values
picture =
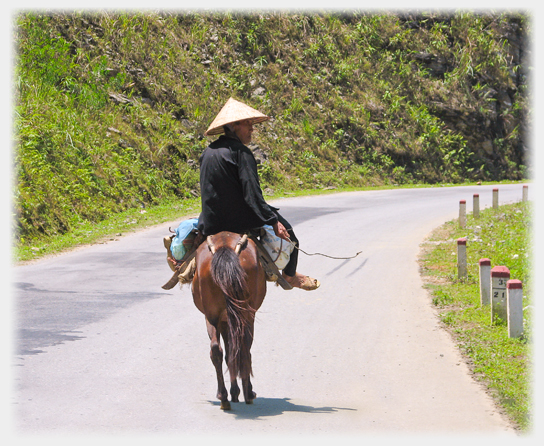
503	364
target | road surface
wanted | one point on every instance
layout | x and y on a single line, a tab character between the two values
100	348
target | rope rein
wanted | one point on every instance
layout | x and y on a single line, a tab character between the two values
325	255
241	244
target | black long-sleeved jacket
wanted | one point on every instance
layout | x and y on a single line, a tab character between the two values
232	199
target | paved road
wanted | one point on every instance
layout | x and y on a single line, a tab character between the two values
101	348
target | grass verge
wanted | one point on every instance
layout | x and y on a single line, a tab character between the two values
503	364
115	226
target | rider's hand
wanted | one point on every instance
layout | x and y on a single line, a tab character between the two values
280	231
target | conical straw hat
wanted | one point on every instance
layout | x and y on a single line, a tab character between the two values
231	112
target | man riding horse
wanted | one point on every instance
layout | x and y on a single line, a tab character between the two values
232	199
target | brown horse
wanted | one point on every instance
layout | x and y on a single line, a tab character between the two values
228	288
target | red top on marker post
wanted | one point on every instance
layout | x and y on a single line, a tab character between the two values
514	284
500	271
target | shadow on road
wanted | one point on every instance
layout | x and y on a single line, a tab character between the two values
345	262
269	407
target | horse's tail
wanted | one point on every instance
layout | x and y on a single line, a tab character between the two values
228	274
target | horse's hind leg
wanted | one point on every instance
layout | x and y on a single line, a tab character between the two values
249	394
216	355
234	389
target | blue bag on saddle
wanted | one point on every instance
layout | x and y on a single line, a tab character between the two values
279	250
177	248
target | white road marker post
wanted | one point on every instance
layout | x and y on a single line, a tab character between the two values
476	206
495	198
499	276
515	308
485	281
462	213
462	258
525	195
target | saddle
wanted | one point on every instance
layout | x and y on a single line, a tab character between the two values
185	271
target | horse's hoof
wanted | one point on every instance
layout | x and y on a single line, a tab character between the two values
225	405
253	396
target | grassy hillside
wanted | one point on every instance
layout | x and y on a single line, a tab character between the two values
110	108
